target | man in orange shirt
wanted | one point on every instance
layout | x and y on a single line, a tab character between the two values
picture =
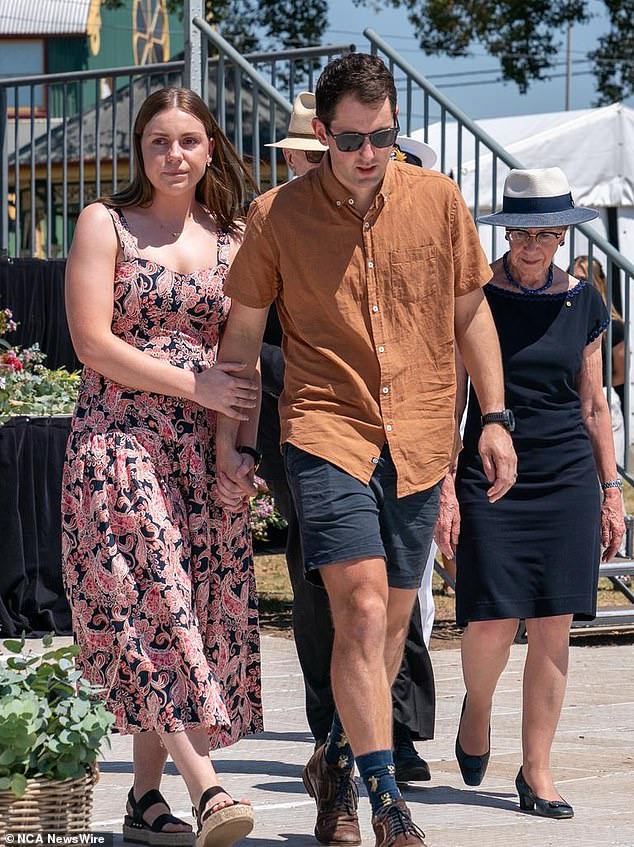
413	691
376	269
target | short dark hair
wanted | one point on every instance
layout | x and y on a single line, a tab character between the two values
364	77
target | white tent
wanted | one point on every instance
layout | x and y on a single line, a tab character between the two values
594	148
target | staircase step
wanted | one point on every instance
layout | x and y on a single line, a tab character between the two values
609	617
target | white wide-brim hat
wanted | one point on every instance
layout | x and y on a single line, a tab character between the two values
425	154
300	135
538	197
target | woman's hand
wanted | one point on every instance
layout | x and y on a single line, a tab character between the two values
447	527
219	388
612	523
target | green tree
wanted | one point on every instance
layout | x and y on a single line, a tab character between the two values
526	36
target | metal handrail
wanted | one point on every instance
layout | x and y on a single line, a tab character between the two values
76	76
255	76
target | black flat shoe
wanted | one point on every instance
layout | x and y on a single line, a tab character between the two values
530	802
410	767
472	768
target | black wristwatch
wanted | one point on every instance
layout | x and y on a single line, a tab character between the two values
505	417
251	451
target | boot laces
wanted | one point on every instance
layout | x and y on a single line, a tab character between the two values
400	823
346	793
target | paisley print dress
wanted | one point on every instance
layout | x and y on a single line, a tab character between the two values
158	575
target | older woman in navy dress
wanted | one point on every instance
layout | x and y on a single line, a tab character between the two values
535	553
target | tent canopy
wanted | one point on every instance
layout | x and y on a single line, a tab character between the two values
594	148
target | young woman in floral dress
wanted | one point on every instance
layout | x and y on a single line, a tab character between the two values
159	575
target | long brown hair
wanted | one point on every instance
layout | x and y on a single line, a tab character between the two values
223	189
580	269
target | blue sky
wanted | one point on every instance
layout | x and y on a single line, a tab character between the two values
347	22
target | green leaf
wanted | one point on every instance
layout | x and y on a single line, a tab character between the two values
18	784
13	646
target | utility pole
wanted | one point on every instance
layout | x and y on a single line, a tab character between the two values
568	67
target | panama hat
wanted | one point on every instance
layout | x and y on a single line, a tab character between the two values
536	198
300	135
413	152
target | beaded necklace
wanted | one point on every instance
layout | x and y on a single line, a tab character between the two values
523	288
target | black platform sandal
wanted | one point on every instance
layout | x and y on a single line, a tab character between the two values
226	825
138	830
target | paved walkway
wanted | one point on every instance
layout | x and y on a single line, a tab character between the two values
593	760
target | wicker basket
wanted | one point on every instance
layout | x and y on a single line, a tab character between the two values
49	805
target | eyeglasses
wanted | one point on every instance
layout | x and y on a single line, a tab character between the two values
544	239
350	142
314	156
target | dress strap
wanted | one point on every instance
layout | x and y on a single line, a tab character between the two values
223	254
126	239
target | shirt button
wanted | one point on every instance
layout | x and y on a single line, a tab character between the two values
375	460
388	427
366	225
370	264
351	201
338	202
375	308
386	390
381	349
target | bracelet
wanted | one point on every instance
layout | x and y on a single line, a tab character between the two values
612	483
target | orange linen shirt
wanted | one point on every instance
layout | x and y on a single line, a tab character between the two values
366	304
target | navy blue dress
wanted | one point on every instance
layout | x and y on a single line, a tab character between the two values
536	551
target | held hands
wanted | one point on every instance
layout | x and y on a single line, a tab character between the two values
612	523
235	473
447	527
219	388
498	460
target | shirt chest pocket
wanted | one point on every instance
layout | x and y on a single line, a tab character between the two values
414	273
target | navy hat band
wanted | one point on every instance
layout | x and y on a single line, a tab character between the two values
537	205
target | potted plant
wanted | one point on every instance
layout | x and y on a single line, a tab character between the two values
27	386
52	726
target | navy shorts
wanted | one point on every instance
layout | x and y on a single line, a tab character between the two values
341	518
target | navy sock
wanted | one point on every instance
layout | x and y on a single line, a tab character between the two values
378	773
338	750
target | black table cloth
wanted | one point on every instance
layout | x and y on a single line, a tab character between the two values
32	597
34	291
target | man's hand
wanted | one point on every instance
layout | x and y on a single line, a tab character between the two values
498	459
447	527
234	474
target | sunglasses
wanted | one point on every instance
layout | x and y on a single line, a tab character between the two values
521	237
350	142
314	156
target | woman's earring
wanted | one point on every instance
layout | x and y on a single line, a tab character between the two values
208	160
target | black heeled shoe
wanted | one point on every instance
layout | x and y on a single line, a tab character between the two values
530	802
472	768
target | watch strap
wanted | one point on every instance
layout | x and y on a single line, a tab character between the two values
251	451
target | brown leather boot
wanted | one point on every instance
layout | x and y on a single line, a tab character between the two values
336	795
394	827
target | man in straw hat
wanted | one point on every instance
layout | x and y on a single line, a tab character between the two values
376	268
301	148
413	692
